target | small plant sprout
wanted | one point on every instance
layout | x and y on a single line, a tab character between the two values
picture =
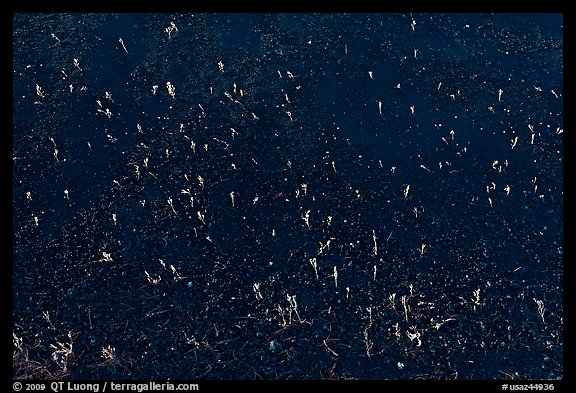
370	74
490	201
205	147
151	279
392	299
104	112
289	115
439	85
176	276
39	91
255	199
256	288
532	136
406	191
121	41
46	315
554	93
507	189
168	30
293	307
17	341
169	200
314	266
200	217
375	248
55	37
476	296
452	134
541	308
281	313
35	220
333	166
304	188
415	53
221	67
405	305
374	272
413	110
413	334
28	195
500	91
62	353
66	195
367	342
324	246
412	24
114	218
422	248
106	257
201	181
171	89
137	171
77	64
306	218
55	154
71	88
108	354
380	107
232	196
154	89
234	133
392	169
335	277
369	309
513	142
328	220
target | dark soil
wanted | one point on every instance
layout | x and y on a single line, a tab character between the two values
415	160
